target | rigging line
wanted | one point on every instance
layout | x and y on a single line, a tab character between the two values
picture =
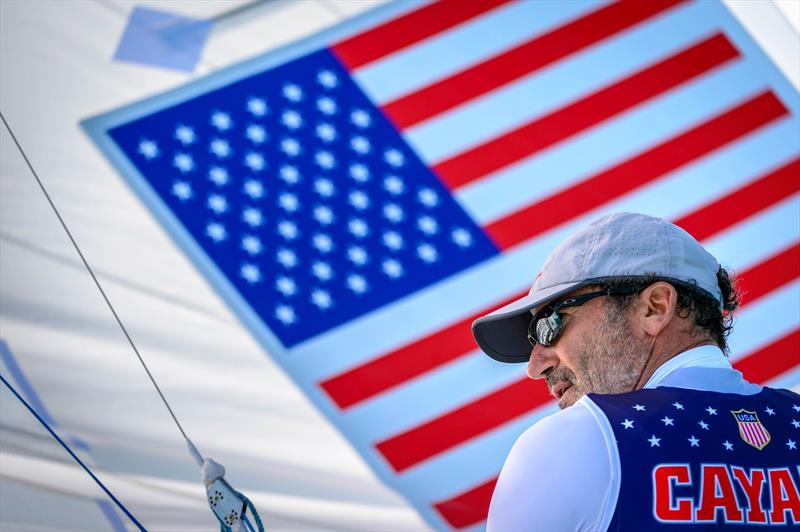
66	447
91	272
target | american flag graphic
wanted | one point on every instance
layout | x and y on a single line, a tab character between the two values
750	428
360	197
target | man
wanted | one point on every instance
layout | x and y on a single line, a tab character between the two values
627	321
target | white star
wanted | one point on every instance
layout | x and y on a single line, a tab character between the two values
694	442
185	134
220	148
251	244
639	408
286	286
253	188
221	121
324	187
327	79
322	271
677	405
218	175
290	147
791	444
357	283
427	225
288	202
148	148
325	159
628	424
796	408
360	118
323	214
326	105
358	199
322	242
289	174
654	441
183	162
711	411
182	190
393	212
392	240
360	145
217	203
769	411
394	157
292	92
392	268
667	421
393	185
285	314
703	425
326	132
428	197
357	255
796	424
358	227
256	134
427	253
257	106
250	273
216	231
461	237
288	230
287	258
321	299
359	172
292	119
254	161
728	445
252	217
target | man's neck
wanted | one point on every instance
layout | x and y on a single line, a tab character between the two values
659	355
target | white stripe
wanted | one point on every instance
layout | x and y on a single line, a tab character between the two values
765	321
603	146
561	83
463	46
789	380
758	237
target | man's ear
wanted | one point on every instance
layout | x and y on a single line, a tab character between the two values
657	304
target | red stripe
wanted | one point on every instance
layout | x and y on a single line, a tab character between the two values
408	29
469	507
403	364
524	59
744	202
773	273
633	173
470	420
591	110
771	360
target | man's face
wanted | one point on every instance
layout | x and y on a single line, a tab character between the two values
596	352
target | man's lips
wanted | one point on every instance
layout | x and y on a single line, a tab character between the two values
558	390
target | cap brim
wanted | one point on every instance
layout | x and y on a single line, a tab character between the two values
503	334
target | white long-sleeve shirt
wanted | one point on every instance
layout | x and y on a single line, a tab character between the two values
561	474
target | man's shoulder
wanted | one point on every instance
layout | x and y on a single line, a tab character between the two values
577	425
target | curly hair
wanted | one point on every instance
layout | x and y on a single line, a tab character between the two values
692	301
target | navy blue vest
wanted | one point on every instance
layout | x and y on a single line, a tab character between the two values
698	457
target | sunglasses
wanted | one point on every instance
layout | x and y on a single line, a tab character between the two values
546	325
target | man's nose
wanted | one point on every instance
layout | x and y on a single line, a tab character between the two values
542	359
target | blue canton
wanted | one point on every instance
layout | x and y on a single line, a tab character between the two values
304	195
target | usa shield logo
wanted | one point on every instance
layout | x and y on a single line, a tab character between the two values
750	428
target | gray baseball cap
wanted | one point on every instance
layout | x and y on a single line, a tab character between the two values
622	244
